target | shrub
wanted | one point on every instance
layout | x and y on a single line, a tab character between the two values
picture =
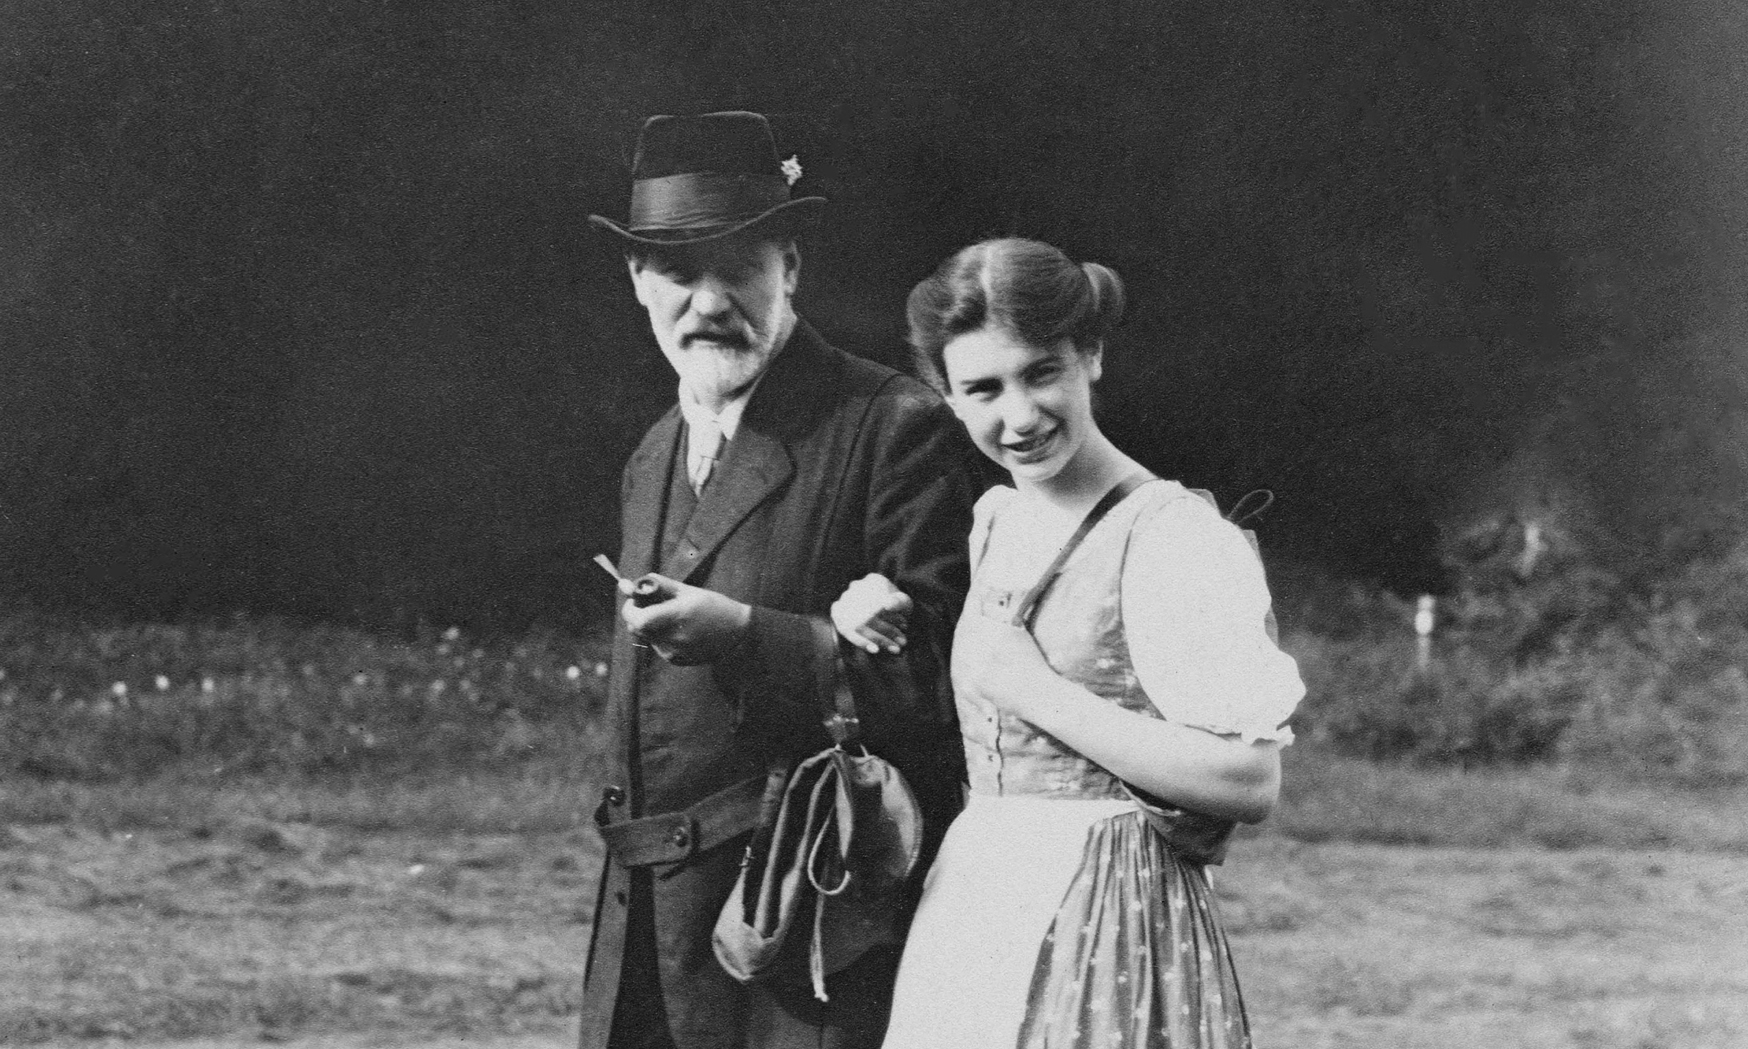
1369	698
1647	677
269	696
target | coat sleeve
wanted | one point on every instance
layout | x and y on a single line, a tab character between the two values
920	488
919	517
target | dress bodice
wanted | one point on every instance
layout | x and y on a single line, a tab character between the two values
1081	630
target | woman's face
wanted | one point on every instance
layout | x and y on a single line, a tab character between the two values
1027	407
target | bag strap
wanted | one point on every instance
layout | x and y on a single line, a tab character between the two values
1250	505
837	703
1028	606
838	714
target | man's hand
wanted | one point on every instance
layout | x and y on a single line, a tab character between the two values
686	625
872	613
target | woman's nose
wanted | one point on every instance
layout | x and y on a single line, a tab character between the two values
1020	413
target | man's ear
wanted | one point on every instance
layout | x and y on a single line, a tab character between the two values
634	265
791	266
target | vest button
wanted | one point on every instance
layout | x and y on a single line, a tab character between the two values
680	838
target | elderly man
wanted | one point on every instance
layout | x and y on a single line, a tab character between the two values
788	470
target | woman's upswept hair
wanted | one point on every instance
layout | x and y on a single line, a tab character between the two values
1027	288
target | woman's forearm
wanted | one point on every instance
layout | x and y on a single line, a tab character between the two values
1187	767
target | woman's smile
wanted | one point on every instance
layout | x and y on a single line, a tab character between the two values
1029	408
1034	448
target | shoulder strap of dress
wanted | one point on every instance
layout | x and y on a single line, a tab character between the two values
1028	607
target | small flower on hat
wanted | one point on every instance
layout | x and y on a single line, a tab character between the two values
792	169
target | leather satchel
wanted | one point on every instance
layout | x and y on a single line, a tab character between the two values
826	875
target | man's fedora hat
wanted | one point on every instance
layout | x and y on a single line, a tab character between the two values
698	178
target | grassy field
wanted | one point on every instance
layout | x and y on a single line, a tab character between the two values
257	930
452	913
255	831
1351	945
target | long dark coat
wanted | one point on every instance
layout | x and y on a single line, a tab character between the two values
840	467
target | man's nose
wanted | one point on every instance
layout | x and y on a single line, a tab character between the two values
709	297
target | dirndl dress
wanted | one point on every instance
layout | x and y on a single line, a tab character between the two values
1056	914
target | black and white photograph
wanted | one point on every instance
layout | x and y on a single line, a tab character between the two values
893	524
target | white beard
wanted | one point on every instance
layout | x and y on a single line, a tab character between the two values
714	372
711	371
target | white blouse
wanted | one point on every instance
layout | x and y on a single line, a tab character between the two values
1194	604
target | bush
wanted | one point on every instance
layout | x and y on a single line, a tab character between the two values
269	696
1370	699
1644	677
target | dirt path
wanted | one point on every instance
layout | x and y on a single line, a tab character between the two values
281	934
1397	948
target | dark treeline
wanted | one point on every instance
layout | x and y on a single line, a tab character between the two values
299	312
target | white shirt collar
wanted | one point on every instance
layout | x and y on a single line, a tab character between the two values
727	420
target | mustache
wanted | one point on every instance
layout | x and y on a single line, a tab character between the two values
725	338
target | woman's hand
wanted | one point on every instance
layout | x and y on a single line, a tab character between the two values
1008	671
1194	768
872	614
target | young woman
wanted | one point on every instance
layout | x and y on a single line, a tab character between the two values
1115	731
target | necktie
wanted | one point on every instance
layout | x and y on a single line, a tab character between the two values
703	449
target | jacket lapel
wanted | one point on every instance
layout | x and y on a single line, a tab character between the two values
758	462
641	515
755	467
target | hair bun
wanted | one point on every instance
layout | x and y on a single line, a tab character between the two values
1106	297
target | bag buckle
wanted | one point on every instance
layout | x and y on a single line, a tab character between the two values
843	727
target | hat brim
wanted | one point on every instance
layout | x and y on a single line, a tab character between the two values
791	217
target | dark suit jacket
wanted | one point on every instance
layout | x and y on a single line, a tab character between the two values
840	467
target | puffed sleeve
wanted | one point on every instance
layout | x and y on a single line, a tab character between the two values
1194	604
